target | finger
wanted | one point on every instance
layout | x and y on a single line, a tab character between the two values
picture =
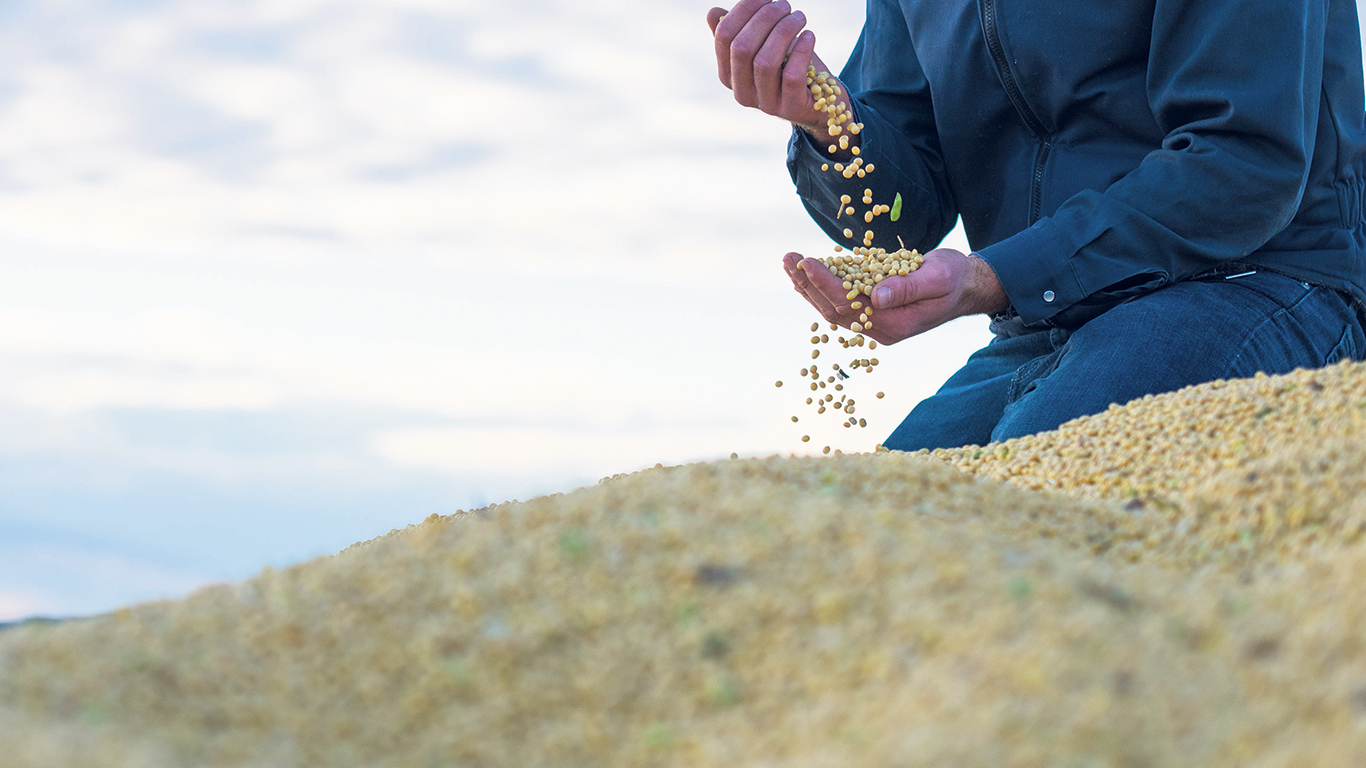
815	299
727	27
746	46
803	286
831	287
896	292
931	281
768	63
790	262
794	94
822	306
800	282
816	60
824	281
714	17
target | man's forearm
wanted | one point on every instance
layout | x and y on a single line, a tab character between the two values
818	128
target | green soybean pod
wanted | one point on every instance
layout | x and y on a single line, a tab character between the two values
896	207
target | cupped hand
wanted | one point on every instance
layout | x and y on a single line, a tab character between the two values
948	285
762	54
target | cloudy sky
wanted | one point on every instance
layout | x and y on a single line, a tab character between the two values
279	275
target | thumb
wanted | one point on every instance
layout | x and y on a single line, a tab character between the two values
933	280
896	291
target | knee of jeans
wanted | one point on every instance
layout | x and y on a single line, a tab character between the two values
907	438
915	434
898	442
1010	428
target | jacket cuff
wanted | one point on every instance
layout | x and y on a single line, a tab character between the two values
802	153
805	156
1035	271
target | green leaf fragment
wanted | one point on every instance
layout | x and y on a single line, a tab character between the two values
896	207
575	545
725	693
659	736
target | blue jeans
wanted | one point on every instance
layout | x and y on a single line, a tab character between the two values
1220	325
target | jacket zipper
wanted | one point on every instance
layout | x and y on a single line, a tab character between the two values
998	55
1036	194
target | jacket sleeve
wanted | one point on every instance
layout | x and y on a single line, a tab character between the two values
889	94
1235	88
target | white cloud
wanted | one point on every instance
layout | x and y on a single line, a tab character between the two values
537	451
19	605
68	581
519	244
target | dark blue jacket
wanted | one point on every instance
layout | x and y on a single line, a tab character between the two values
1100	149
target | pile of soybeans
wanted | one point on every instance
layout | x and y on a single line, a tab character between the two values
1180	581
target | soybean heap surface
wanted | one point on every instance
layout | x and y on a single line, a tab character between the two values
1177	582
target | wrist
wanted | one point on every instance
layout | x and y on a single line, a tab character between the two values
821	141
816	130
817	126
986	296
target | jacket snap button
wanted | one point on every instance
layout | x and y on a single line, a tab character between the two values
1047	295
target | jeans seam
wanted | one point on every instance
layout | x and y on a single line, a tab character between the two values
1014	386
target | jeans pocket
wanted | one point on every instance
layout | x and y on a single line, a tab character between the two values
1282	290
1345	349
1028	376
1223	271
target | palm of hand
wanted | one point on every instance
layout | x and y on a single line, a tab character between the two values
927	298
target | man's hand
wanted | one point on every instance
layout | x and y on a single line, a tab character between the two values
948	285
762	55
